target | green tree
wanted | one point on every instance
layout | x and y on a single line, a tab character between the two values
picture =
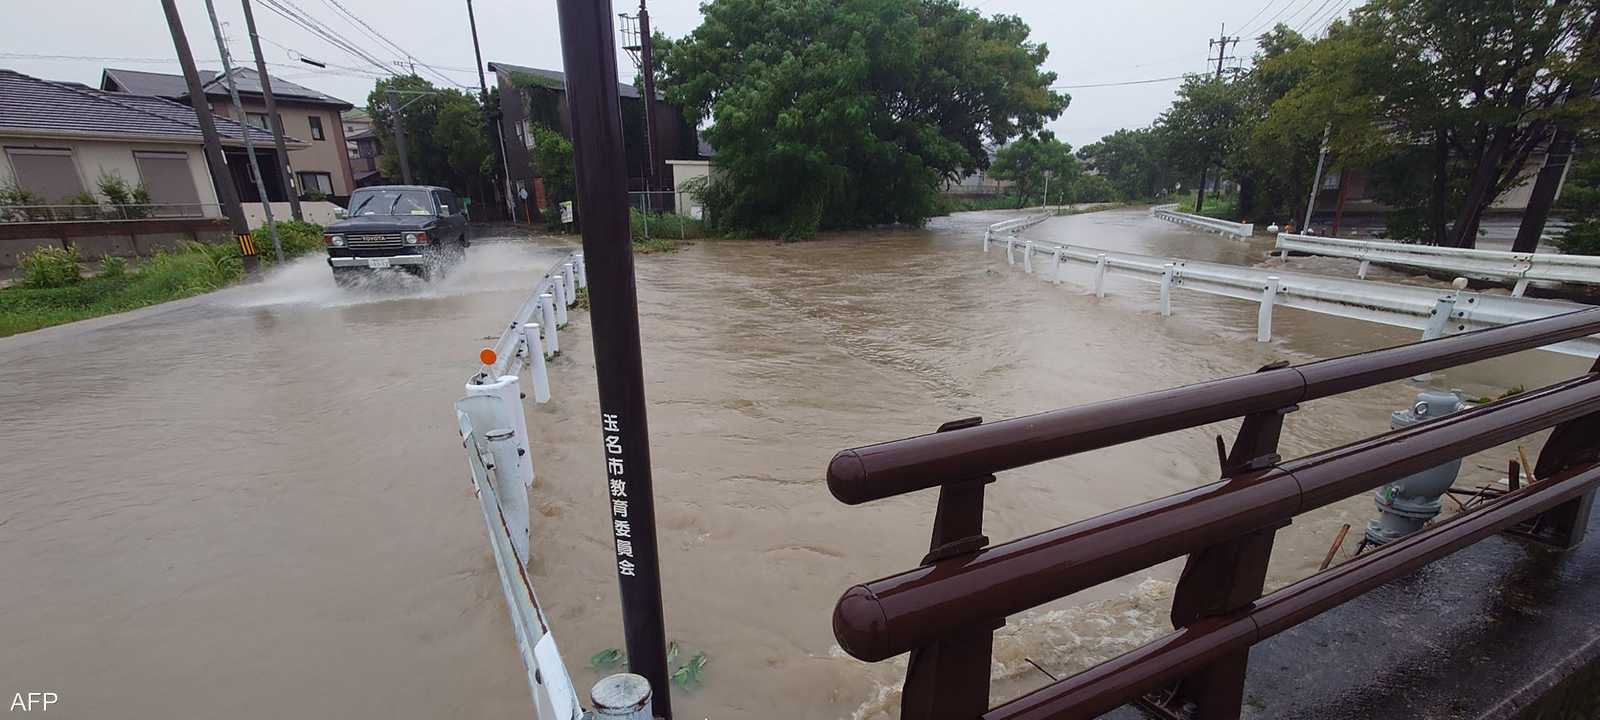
844	113
1037	163
1202	128
446	144
1132	162
552	154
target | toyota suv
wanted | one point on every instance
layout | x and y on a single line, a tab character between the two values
417	229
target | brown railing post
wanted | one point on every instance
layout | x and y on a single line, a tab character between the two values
1225	578
950	677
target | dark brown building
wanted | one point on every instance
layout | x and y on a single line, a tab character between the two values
530	96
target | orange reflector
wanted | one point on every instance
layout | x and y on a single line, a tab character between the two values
487	356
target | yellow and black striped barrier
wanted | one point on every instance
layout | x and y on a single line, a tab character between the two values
247	244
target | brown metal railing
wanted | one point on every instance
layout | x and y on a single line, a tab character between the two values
944	612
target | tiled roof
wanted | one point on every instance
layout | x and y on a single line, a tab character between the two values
558	80
33	105
173	87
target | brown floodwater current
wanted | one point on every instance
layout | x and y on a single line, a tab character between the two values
255	505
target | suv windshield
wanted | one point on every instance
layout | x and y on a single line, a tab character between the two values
390	202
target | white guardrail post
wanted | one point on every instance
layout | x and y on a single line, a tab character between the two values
534	347
1100	276
583	270
1166	289
1010	259
558	281
987	234
496	411
1027	257
569	273
547	310
1055	267
1269	297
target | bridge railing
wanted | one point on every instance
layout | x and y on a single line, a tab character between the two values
500	461
1434	312
1513	267
945	611
1201	222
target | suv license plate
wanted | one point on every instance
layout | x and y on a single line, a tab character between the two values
378	263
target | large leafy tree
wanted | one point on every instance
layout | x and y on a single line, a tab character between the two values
1202	128
843	113
1036	165
1132	161
445	140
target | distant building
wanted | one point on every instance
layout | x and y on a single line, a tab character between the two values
57	140
320	162
676	139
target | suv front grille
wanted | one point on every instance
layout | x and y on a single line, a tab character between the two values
362	242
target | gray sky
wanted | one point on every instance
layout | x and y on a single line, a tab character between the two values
1091	41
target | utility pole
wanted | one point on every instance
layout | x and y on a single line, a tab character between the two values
649	73
273	121
492	117
1221	44
588	52
220	177
399	134
244	129
1316	180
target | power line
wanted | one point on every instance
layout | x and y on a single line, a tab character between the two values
1258	14
288	11
1272	21
373	32
352	72
1119	83
1328	20
1311	20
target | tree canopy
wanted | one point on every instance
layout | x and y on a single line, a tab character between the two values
445	139
843	113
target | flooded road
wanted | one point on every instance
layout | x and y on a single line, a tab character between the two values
256	504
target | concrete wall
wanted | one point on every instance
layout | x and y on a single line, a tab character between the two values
95	240
326	155
683	173
92	157
320	212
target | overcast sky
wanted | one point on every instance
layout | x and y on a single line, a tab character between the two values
1090	41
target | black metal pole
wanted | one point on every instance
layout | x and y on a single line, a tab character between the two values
589	56
273	121
221	178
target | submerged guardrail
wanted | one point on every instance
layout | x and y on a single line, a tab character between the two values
1201	222
494	432
1436	313
1513	267
945	611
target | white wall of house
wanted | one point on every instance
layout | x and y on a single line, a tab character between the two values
94	157
683	172
320	212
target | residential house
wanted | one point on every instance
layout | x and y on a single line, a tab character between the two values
321	165
58	140
519	110
361	144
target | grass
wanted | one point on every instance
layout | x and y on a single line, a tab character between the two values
1224	207
194	269
965	203
666	231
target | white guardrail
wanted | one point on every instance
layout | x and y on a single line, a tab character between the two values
1514	267
494	432
1435	312
1014	225
1201	222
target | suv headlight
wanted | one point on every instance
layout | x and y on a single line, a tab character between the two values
336	240
416	238
411	238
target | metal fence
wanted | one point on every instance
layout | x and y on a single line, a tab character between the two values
1499	265
667	213
106	212
1201	222
500	459
1436	313
944	612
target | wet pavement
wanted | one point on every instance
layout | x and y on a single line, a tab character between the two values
256	501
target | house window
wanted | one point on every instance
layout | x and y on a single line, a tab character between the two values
49	173
526	131
316	128
316	182
258	120
169	179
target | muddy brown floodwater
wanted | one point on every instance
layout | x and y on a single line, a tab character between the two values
256	504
